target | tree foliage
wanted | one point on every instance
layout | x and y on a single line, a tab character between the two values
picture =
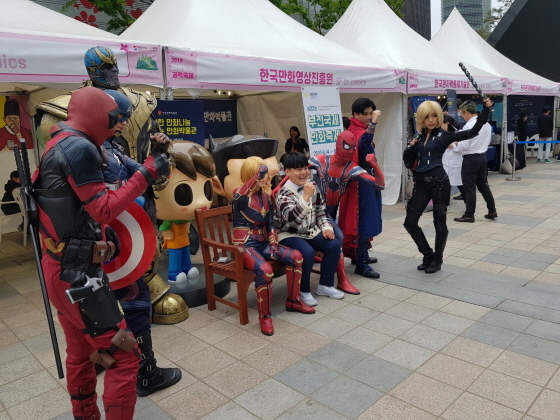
321	15
494	16
117	10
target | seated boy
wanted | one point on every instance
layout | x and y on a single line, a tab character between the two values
303	224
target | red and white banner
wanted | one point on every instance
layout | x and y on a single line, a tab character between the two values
187	69
517	87
422	83
35	59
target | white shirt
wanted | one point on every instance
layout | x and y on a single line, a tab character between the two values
478	144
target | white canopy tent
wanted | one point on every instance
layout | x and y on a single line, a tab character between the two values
252	45
371	28
477	51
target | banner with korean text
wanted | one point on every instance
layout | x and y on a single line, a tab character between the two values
323	118
181	120
37	59
187	69
425	83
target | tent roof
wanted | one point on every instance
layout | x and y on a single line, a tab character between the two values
249	28
478	52
27	17
372	28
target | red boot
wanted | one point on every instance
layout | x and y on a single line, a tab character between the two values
343	282
293	304
264	297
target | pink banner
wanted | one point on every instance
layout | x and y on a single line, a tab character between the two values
517	87
186	69
40	59
422	83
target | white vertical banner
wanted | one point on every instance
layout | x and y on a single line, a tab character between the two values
323	118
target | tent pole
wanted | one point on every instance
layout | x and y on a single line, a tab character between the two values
404	171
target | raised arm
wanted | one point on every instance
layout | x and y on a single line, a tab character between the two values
241	195
473	132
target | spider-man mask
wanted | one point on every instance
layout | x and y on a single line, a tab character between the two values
345	145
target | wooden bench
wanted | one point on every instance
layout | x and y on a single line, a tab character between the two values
215	233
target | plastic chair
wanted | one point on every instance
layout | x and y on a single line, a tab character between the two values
17	197
534	147
9	216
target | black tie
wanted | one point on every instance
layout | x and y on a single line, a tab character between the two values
300	189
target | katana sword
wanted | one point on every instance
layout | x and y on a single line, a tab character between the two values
475	85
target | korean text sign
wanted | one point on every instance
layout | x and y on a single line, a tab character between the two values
181	120
323	118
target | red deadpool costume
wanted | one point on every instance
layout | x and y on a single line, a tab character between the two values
74	209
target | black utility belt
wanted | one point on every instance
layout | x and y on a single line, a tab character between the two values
430	178
474	154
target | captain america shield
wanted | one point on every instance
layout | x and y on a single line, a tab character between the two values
138	247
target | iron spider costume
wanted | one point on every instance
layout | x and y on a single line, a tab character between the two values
253	217
336	172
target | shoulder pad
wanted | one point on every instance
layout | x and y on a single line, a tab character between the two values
56	106
83	159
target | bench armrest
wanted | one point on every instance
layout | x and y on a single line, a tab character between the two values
235	249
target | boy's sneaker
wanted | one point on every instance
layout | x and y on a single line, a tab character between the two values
548	161
308	299
329	291
538	161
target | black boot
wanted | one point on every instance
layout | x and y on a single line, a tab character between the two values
152	378
423	246
437	260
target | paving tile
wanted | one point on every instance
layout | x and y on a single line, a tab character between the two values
304	342
465	310
331	326
272	359
18	369
337	356
531	311
355	314
530	264
544	329
410	312
378	373
269	399
377	302
427	337
469	407
536	347
26	388
365	340
42	407
153	412
306	376
311	410
235	379
301	320
363	396
396	292
428	300
197	319
546	406
192	402
390	408
535	256
242	344
205	362
506	320
404	354
524	367
426	393
554	383
499	259
489	334
451	371
12	352
216	331
388	325
472	351
447	322
503	389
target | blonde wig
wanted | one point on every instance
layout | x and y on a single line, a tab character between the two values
250	168
426	108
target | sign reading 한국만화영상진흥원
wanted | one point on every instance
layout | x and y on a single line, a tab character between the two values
323	118
181	120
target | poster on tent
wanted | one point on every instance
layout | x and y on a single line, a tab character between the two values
15	122
181	120
220	118
38	59
323	118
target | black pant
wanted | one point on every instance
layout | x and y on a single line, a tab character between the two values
474	175
423	192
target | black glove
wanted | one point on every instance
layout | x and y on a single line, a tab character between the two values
155	167
111	236
262	171
160	147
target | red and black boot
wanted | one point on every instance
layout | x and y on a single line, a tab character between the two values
264	299
293	304
343	282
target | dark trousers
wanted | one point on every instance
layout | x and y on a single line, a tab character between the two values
331	248
474	175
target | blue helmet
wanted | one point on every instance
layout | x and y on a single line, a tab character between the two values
124	104
101	65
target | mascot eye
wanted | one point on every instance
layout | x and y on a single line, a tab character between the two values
183	195
208	190
346	146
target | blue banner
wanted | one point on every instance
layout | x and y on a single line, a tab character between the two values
220	118
181	120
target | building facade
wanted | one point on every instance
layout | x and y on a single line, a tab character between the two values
417	16
474	11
